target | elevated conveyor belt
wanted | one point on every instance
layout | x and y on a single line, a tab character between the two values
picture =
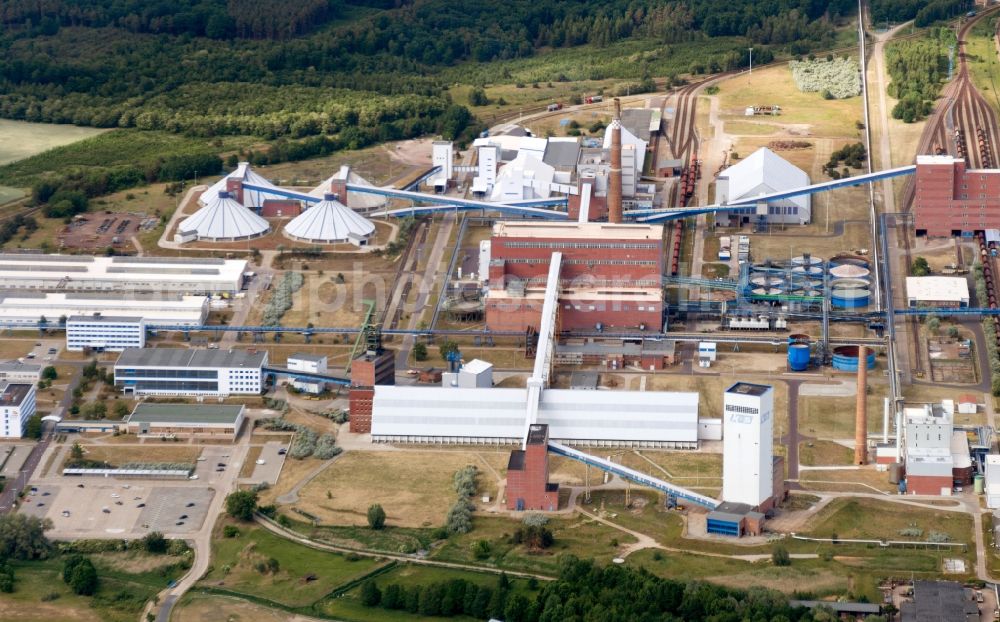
440	202
657	215
304	375
546	344
632	475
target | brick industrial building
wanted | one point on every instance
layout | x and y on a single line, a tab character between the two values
611	275
528	486
951	199
374	366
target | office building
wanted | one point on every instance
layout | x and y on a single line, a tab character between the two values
190	372
103	333
17	405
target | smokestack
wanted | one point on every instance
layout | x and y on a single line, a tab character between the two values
861	416
615	181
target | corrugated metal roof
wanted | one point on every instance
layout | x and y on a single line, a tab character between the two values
764	168
186	414
329	221
251	198
183	357
223	218
355	200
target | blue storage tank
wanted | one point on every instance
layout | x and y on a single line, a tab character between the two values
798	356
845	358
850	298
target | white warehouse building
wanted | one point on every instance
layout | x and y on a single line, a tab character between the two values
201	275
17	405
497	415
103	333
190	373
762	172
20	307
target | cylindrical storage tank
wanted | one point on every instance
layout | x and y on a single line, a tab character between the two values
895	472
849	271
852	260
845	358
853	298
798	357
978	484
849	283
798	338
806	260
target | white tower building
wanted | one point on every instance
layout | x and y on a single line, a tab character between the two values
443	155
748	444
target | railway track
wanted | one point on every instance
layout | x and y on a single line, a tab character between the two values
965	126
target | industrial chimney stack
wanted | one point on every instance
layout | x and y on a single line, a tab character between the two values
615	181
861	416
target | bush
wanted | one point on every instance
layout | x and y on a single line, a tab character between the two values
371	596
420	352
241	504
6	577
326	447
22	537
535	519
920	267
833	79
780	557
154	542
465	481
81	576
376	517
481	549
231	531
459	519
304	443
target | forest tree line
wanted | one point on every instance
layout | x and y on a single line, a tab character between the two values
922	13
585	591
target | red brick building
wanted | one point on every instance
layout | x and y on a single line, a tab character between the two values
528	486
611	275
371	368
951	199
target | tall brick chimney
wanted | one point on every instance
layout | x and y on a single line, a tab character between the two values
861	414
615	179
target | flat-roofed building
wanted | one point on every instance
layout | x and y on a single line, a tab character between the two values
190	372
191	275
310	364
937	291
19	371
497	415
103	333
186	420
610	277
24	307
17	405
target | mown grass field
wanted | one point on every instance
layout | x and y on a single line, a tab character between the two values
414	487
20	139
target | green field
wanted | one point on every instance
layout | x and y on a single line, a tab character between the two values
20	139
127	581
304	576
111	149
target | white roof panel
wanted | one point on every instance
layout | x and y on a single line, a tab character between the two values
355	200
251	198
765	171
329	221
500	413
938	288
223	218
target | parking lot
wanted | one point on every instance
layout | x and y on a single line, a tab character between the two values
273	461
